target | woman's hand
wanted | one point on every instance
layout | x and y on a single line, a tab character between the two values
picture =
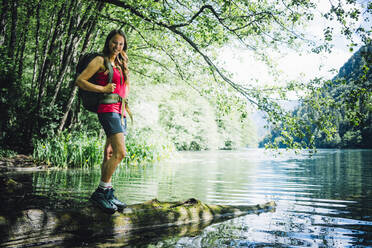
109	88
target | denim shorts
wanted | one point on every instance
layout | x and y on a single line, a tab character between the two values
111	123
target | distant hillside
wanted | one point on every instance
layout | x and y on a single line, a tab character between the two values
351	91
353	68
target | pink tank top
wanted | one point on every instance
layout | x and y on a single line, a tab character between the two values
120	89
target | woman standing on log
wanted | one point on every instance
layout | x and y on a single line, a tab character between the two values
111	116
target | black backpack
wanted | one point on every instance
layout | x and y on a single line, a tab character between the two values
91	100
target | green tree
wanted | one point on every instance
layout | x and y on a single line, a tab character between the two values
41	41
335	113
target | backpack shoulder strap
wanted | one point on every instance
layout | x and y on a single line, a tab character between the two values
111	70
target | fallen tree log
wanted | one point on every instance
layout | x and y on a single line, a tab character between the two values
88	224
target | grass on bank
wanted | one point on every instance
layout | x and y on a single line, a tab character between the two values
6	153
83	150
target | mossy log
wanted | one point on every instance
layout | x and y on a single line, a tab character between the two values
89	224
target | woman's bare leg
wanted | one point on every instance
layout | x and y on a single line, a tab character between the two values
114	154
107	153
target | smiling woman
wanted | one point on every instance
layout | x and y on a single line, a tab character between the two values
112	115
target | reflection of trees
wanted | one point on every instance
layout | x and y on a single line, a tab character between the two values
337	183
209	177
342	174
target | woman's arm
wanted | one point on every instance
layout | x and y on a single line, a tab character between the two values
94	66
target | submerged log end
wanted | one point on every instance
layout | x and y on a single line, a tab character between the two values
226	211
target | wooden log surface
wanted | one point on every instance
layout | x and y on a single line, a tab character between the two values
89	224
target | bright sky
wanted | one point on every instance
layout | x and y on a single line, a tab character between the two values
293	66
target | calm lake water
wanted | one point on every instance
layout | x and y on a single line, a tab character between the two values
322	201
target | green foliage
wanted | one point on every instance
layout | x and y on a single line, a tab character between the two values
169	43
188	120
334	114
146	146
84	150
70	150
352	138
6	153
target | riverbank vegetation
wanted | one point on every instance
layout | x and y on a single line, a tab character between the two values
181	95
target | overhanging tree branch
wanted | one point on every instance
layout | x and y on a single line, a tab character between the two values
251	95
174	30
157	47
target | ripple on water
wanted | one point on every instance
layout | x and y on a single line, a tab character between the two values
322	201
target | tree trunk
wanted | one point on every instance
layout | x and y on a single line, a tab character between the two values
84	22
47	65
36	55
13	30
23	39
44	57
67	111
70	45
90	26
89	224
3	18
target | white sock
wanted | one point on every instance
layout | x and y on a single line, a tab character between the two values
104	185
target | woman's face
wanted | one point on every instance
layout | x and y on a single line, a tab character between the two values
116	44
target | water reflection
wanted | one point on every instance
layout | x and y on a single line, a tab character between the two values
323	201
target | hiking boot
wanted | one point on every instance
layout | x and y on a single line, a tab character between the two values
99	198
113	200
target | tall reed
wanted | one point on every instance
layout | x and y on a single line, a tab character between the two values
81	150
70	150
